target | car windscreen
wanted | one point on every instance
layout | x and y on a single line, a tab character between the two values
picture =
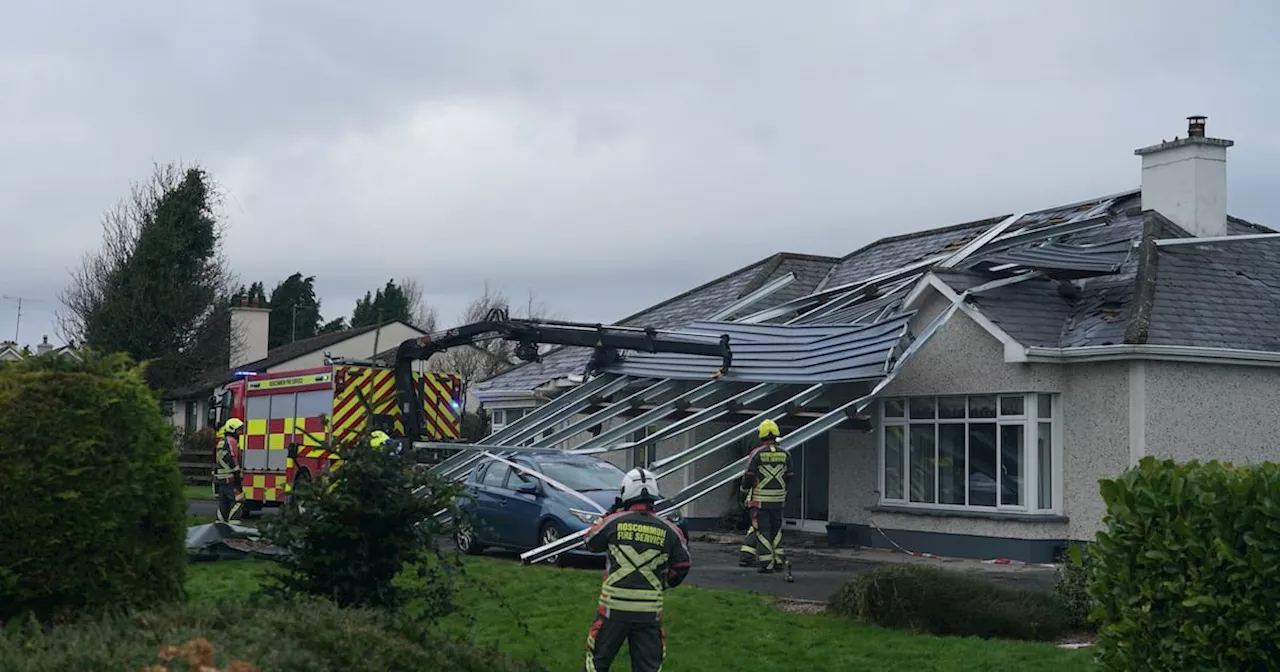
584	475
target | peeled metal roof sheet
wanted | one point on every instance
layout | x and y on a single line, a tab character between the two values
1057	256
778	353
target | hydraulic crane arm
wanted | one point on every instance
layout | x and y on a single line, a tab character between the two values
528	335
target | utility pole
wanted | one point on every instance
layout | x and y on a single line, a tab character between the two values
17	326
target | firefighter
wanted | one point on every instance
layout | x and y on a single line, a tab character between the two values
647	555
226	473
380	440
767	475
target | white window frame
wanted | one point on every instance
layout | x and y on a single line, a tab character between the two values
1030	422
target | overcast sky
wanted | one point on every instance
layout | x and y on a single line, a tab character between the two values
603	155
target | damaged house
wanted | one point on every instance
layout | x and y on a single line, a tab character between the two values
958	391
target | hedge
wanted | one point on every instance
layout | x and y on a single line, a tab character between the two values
1186	572
311	635
92	513
940	602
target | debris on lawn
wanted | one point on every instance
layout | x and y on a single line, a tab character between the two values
223	541
798	606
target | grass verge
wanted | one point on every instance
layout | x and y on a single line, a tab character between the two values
558	605
198	493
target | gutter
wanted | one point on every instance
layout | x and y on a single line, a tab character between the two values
1167	353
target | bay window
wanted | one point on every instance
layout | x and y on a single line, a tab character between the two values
976	452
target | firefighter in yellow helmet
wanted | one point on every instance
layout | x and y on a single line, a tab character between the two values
381	441
766	477
227	472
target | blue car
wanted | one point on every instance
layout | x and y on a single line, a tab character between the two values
504	508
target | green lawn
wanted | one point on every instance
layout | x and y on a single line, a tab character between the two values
706	629
198	492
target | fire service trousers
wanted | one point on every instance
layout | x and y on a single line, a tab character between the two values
768	525
647	643
230	502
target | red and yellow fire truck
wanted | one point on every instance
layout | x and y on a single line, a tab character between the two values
289	415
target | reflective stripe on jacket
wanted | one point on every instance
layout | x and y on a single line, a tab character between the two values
646	555
768	471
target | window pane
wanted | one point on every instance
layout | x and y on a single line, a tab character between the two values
982	407
893	457
951	407
922	407
1013	405
496	474
1011	464
951	463
982	464
257	408
923	462
514	414
1045	405
314	403
894	408
1044	454
498	416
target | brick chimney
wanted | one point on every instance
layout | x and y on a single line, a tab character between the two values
249	333
1185	179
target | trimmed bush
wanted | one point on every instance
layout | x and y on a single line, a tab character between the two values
940	602
92	512
1071	587
1187	571
311	635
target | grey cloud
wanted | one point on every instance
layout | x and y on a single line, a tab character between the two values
606	156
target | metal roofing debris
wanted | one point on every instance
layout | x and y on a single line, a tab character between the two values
769	353
1057	258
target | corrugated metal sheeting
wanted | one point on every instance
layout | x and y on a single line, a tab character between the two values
781	353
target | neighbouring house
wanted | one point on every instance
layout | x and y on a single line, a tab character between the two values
188	406
10	351
957	391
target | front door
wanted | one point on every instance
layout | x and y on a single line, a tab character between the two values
808	494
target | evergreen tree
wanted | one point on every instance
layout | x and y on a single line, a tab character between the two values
389	304
295	311
158	289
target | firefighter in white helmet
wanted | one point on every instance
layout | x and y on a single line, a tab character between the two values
647	554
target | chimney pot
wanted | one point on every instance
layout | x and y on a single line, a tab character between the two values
1195	125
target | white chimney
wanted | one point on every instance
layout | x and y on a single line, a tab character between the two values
249	333
45	347
1185	179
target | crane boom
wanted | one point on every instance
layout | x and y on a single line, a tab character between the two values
528	335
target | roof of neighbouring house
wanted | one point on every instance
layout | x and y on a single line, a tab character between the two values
275	357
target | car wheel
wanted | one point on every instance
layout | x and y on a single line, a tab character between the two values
464	536
550	534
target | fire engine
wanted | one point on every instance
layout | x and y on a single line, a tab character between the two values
290	416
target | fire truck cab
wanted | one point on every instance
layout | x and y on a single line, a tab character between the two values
289	416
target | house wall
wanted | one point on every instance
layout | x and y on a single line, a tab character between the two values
360	347
1210	412
963	358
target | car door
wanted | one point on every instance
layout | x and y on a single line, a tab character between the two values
488	520
523	509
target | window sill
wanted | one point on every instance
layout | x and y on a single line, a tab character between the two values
983	515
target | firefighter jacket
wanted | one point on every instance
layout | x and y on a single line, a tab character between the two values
225	467
647	554
767	475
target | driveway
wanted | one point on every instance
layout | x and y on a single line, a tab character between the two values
819	570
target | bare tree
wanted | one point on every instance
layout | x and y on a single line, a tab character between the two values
422	314
489	358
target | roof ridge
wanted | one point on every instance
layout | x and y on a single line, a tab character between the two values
989	221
